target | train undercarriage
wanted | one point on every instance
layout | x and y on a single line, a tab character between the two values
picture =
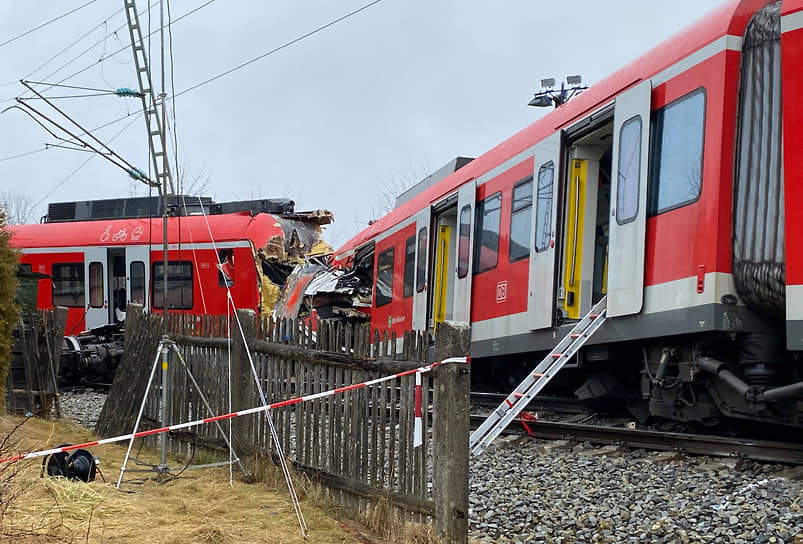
704	380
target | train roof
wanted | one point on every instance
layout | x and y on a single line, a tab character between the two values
729	19
259	229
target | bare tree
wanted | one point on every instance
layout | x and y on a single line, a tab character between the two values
393	186
19	207
193	184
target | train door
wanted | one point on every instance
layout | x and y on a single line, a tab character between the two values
443	284
422	226
466	197
541	301
587	219
97	301
137	278
628	222
117	284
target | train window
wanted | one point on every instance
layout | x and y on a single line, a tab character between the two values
179	285
25	268
543	206
225	268
421	261
486	250
96	294
676	153
521	220
68	285
464	241
137	275
384	277
629	160
409	266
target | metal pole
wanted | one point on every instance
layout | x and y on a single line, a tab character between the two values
139	415
163	466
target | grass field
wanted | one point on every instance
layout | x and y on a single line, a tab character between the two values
198	507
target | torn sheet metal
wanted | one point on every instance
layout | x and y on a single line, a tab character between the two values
327	291
289	304
302	239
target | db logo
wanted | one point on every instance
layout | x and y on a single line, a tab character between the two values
501	291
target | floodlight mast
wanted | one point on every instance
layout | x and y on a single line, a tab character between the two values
548	96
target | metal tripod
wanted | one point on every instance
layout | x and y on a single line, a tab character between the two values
165	345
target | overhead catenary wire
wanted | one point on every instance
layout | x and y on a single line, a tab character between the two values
126	48
113	53
179	180
192	88
62	86
280	47
18	36
123	163
70	147
99	127
66	96
64	50
73	59
76	170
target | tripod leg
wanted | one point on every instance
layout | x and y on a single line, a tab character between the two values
141	409
209	409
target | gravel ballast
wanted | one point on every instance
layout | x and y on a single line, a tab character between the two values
82	406
539	491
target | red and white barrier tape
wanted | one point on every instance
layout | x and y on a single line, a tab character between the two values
258	409
418	434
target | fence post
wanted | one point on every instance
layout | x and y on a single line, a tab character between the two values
242	381
451	430
142	335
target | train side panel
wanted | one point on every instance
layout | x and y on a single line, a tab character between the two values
394	281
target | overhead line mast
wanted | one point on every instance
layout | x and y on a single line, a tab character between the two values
155	117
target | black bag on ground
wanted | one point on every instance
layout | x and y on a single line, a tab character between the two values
79	465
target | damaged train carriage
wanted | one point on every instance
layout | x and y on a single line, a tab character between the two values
669	189
103	255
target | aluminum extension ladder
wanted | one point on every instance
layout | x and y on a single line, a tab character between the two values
536	380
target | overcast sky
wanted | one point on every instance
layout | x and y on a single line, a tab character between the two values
393	92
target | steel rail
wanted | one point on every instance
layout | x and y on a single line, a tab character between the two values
715	446
541	402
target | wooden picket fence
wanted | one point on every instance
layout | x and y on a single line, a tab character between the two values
31	382
358	444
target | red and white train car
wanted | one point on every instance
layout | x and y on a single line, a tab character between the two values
672	187
97	266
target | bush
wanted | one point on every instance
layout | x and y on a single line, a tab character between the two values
9	313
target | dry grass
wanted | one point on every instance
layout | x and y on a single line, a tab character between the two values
198	507
382	519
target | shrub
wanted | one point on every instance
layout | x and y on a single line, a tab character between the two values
9	313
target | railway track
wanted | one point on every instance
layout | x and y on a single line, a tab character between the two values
541	402
715	446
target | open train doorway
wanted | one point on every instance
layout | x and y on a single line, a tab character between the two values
442	294
584	268
117	285
452	235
